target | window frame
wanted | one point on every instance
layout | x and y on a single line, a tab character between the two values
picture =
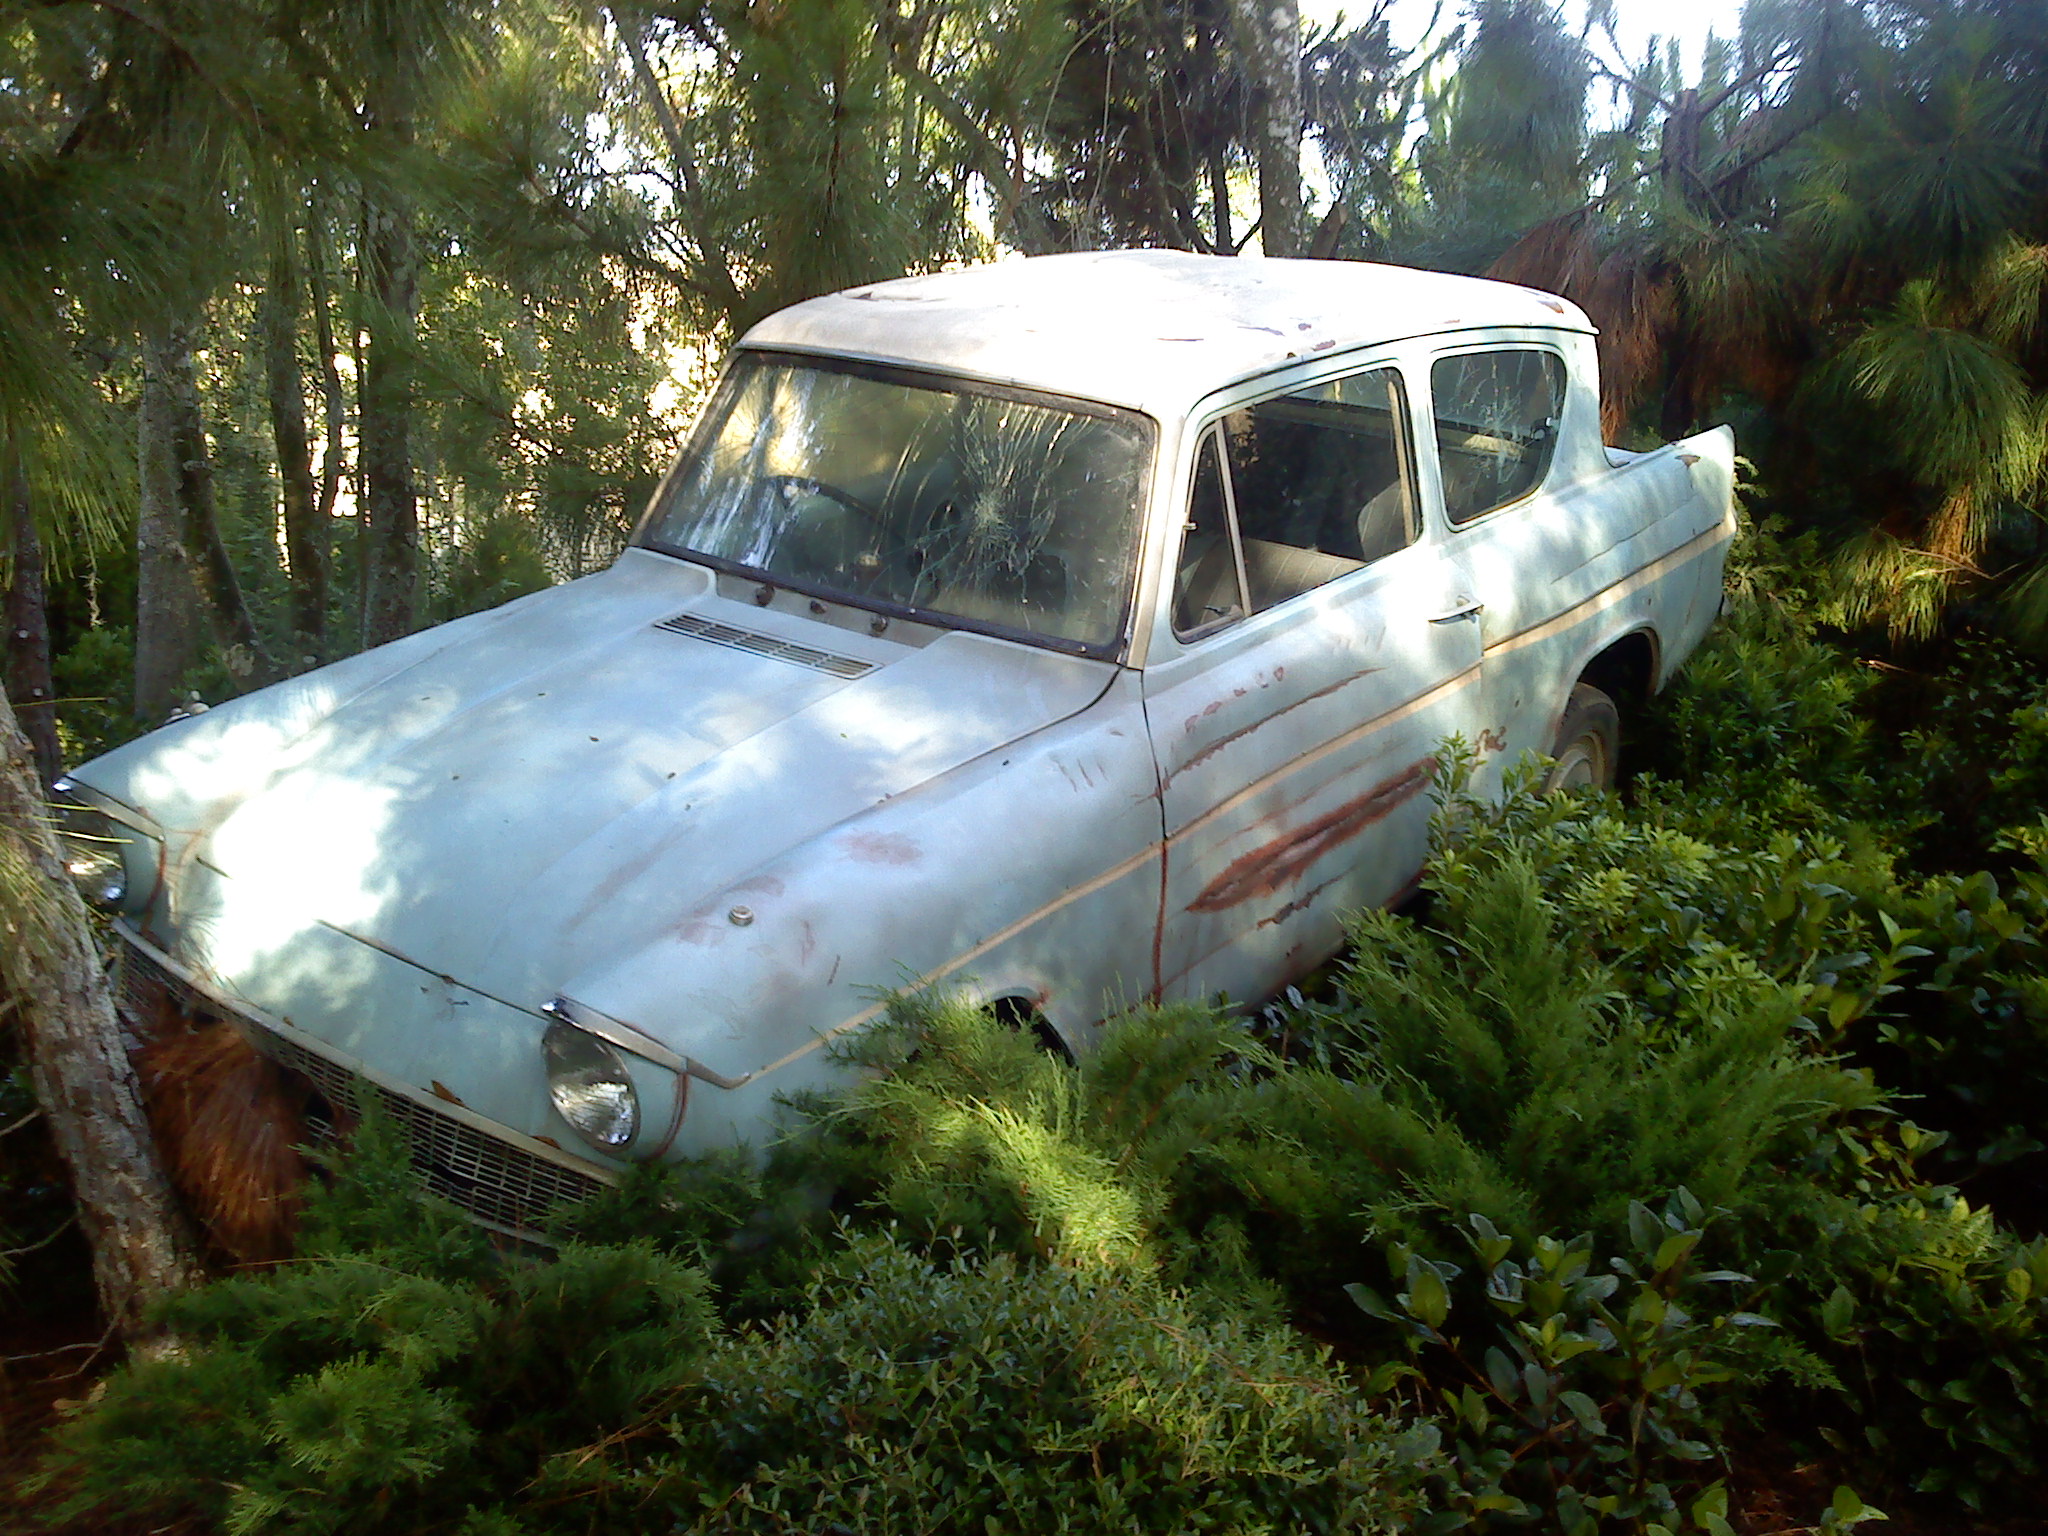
697	442
1542	481
1208	424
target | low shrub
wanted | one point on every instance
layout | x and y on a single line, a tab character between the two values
1006	1394
1481	1062
397	1379
1580	1392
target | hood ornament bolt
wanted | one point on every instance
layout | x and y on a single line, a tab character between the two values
740	917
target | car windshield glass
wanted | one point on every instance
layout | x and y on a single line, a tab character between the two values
900	489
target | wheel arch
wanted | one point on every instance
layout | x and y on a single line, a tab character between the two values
1025	1011
1628	668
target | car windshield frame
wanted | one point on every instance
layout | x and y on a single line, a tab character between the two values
743	366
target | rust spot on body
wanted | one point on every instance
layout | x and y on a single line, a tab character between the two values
1300	903
444	1092
882	848
1266	869
1494	740
1265	720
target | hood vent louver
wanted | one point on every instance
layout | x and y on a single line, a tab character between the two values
766	645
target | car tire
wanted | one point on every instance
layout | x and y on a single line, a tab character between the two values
1588	745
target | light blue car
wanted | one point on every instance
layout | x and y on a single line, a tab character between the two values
1074	631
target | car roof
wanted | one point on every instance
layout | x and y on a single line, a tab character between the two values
1153	330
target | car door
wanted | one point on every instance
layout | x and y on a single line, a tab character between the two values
1321	646
1543	534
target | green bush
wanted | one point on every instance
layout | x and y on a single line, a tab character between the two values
977	1130
1599	1391
396	1380
1935	1321
1481	1063
1006	1394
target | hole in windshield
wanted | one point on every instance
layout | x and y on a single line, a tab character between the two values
896	489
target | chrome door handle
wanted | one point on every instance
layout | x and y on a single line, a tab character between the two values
1471	607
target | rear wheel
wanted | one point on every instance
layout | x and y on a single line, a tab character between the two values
1588	742
1022	1015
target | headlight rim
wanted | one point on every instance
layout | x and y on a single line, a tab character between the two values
565	1032
83	816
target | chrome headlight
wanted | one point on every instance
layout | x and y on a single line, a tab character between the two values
590	1087
112	864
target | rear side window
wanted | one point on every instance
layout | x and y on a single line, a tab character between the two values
1496	425
1321	483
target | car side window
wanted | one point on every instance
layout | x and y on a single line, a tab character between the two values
1208	588
1496	425
1322	483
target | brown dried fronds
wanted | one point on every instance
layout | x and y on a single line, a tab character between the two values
1955	534
1635	306
1627	296
1557	256
229	1122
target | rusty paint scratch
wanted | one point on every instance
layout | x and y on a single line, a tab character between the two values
1245	730
1300	903
1266	869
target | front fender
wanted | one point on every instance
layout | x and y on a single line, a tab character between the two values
936	885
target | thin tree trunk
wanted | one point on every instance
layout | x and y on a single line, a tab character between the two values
391	500
1219	202
1270	33
305	532
711	253
166	602
234	627
28	675
1218	166
334	410
142	1246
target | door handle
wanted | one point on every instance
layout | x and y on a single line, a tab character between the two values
1470	607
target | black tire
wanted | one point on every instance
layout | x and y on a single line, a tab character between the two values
1023	1016
1588	748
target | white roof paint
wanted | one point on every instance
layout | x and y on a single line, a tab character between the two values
1154	330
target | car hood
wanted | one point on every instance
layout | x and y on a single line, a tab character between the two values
515	799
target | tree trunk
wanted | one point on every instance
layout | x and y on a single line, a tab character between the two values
305	531
1208	34
391	501
28	630
166	602
333	410
142	1246
234	627
1219	202
1269	31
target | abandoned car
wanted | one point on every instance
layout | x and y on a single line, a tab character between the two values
1072	631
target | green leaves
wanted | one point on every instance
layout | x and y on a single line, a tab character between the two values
1588	1396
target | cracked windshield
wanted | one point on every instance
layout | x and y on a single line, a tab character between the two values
887	487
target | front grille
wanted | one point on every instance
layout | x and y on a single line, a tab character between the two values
766	645
498	1183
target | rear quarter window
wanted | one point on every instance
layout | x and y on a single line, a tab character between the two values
1496	414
